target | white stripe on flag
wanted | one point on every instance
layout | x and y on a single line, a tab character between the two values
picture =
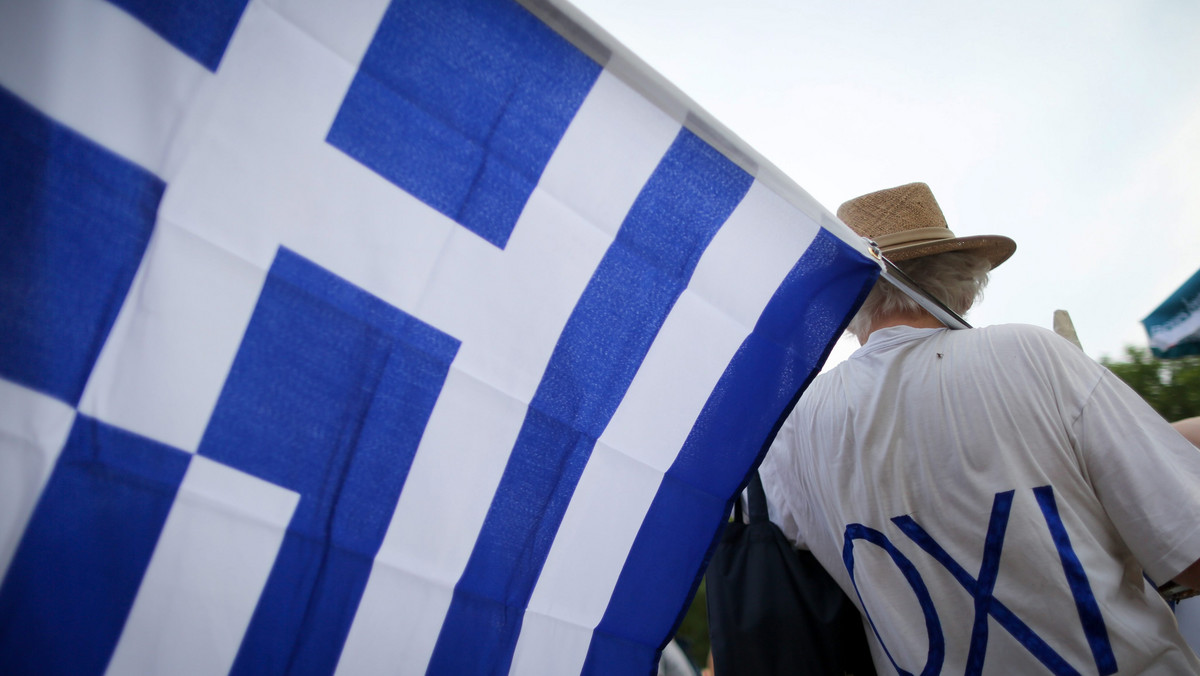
208	570
762	240
280	91
33	430
345	29
472	427
204	268
739	272
94	68
581	571
188	298
557	243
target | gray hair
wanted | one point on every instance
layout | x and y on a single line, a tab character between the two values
956	278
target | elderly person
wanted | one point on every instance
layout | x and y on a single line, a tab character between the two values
991	498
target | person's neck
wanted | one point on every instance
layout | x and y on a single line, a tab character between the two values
917	320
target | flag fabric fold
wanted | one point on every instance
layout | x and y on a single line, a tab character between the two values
418	336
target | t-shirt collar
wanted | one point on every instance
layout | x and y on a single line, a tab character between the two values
894	335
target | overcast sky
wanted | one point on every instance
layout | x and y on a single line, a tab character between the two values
1072	127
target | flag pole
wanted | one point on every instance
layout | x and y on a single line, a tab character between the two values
900	280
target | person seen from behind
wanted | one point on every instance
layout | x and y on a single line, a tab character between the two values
992	499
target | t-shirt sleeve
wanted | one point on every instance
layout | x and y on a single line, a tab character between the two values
1145	474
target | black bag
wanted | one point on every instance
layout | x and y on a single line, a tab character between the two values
773	609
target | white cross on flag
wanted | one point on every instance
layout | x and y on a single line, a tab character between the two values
421	336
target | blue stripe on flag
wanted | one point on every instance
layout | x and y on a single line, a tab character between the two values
328	396
74	223
461	103
684	203
77	571
201	29
793	336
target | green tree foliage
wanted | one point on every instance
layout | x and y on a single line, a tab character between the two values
1170	386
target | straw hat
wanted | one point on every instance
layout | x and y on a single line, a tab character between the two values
907	223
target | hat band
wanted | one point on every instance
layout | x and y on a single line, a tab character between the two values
915	235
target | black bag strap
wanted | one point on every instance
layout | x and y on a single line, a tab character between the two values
756	499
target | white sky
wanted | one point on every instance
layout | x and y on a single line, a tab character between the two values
1071	126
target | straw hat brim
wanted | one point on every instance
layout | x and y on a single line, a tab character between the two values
995	248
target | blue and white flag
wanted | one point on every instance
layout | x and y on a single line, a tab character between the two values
409	336
1174	326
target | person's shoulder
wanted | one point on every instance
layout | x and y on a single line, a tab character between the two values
1025	335
823	381
1043	349
1019	331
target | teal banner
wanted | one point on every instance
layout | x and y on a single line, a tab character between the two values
1174	326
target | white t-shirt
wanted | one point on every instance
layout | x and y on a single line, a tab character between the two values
997	495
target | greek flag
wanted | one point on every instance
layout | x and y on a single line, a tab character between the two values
1174	326
405	337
